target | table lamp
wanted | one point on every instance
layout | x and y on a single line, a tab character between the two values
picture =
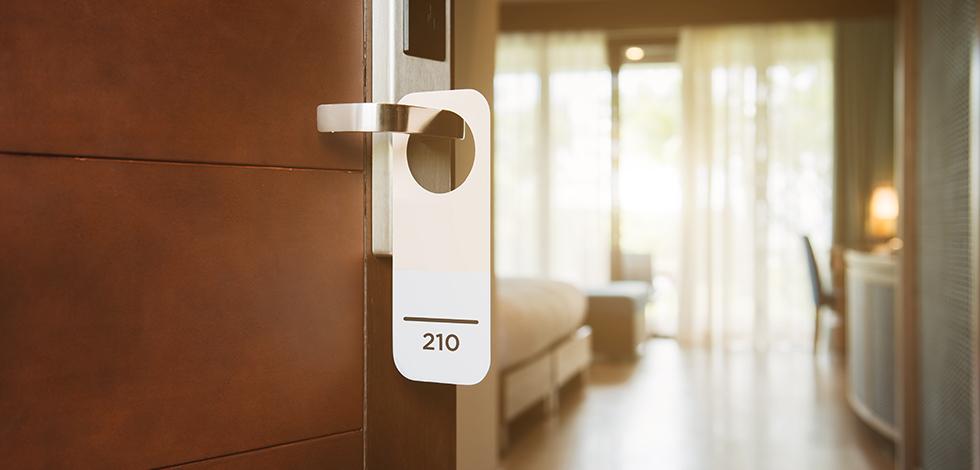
883	215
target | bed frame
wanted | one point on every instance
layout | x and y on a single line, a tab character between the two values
539	378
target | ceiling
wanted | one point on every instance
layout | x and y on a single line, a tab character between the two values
531	15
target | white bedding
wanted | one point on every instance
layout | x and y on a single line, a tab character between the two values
532	314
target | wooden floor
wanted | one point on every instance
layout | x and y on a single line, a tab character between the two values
693	409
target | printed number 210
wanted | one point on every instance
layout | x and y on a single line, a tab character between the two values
451	342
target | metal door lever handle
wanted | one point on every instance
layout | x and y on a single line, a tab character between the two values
389	117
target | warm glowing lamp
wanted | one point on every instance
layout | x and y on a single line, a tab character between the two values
635	53
884	213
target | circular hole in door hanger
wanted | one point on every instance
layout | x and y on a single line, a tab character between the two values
440	165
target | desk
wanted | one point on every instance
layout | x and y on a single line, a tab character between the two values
871	279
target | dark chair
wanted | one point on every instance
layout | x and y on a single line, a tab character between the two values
821	297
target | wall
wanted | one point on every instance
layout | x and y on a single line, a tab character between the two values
945	279
525	15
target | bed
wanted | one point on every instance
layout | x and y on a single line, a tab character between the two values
541	343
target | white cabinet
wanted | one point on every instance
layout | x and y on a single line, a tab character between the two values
871	281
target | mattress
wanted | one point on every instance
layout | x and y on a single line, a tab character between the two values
532	315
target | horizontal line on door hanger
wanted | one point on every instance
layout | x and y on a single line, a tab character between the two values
462	321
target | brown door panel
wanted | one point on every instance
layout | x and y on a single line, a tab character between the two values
339	452
185	80
153	314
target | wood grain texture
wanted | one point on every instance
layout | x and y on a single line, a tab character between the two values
691	408
338	452
532	15
409	425
155	313
184	80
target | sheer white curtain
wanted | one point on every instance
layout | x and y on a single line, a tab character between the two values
551	150
758	170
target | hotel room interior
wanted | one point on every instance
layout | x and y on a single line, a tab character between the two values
729	235
726	234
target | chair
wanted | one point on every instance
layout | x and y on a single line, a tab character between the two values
821	297
636	267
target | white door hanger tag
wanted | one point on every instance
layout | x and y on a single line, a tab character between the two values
441	257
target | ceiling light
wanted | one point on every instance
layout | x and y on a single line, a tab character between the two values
634	53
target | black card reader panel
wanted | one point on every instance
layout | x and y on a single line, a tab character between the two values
425	29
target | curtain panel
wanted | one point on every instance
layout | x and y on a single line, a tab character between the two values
552	148
864	69
758	174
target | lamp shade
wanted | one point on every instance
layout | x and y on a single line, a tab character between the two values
883	212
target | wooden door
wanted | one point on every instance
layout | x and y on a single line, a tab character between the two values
183	276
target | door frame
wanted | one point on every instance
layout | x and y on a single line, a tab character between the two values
407	424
